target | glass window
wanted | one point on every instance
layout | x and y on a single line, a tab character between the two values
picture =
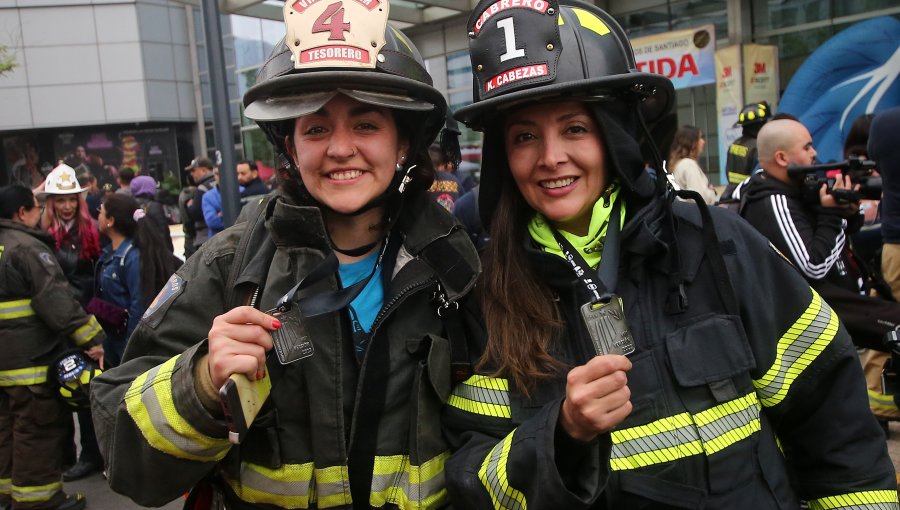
257	147
272	32
772	14
648	21
459	70
848	7
795	47
691	14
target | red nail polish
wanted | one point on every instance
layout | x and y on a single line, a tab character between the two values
276	323
263	376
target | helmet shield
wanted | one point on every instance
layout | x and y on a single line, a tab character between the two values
525	50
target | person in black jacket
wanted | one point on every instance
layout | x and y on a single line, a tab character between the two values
814	235
638	352
248	178
201	170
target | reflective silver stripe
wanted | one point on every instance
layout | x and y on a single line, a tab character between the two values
865	500
34	494
798	347
483	395
292	485
408	486
149	403
24	376
494	478
85	333
16	309
685	435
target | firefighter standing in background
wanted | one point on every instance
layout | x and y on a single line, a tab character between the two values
38	318
741	159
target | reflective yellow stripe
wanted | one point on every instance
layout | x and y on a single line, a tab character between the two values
16	309
488	396
85	333
880	402
23	376
868	500
149	402
797	349
409	487
5	485
495	480
293	485
736	178
685	435
34	494
590	21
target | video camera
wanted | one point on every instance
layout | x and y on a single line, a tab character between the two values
860	172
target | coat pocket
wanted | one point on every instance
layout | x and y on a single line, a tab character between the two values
711	362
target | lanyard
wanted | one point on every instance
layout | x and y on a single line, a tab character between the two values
320	304
608	271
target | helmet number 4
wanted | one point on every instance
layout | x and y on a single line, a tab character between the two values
509	33
332	20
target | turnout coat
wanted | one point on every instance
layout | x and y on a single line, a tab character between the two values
751	401
329	421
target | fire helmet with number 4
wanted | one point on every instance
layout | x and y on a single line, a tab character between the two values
342	47
524	51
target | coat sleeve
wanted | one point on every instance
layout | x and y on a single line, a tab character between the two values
813	242
135	294
150	423
501	462
212	206
810	385
53	301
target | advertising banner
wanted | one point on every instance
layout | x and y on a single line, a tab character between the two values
761	82
729	99
684	56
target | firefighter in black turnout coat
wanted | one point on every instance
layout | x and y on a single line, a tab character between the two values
631	356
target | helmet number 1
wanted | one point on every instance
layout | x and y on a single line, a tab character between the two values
332	20
509	32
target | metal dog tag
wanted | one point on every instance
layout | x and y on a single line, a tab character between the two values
291	340
606	324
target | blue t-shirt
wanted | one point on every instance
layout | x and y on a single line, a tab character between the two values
365	307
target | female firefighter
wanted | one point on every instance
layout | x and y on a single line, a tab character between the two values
635	353
358	262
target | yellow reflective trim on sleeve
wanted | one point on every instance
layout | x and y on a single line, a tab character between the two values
728	423
736	178
35	493
149	403
487	396
667	424
408	486
800	345
16	309
24	376
867	500
86	333
5	485
495	480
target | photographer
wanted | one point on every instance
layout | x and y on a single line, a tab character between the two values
813	234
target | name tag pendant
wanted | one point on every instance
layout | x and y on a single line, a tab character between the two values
605	322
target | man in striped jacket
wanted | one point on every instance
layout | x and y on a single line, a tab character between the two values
814	236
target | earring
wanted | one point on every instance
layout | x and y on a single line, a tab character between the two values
108	225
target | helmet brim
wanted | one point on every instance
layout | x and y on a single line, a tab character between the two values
658	91
290	107
376	85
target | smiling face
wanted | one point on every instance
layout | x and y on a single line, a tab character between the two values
347	152
556	157
66	206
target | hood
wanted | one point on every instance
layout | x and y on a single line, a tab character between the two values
763	185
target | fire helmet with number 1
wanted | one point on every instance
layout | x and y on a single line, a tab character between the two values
545	50
343	47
